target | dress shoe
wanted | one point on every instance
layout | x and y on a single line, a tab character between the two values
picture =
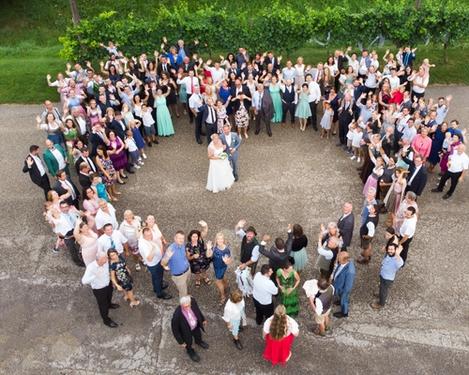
149	144
337	303
436	190
111	324
238	344
446	196
236	178
340	314
257	132
203	134
165	286
270	134
114	306
193	355
376	306
156	142
165	296
203	344
199	141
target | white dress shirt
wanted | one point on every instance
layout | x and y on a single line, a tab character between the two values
146	248
417	169
116	241
39	164
458	162
59	157
314	93
189	82
102	218
408	227
195	102
263	289
97	276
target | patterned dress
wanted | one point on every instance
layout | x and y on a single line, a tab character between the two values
109	168
242	117
291	301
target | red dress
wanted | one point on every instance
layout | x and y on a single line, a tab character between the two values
278	351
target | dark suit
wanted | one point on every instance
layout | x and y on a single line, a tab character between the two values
288	103
61	191
265	113
181	329
211	127
95	141
90	163
419	181
35	175
236	102
84	181
117	128
277	259
345	226
343	284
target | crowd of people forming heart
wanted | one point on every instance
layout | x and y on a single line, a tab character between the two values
108	119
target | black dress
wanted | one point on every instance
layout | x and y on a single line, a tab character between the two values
202	263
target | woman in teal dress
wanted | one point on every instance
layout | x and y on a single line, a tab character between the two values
163	117
303	110
288	281
274	89
71	136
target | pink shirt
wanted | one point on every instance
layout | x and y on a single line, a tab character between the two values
190	317
422	145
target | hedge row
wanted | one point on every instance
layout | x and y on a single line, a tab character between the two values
279	27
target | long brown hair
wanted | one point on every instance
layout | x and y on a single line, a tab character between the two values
278	326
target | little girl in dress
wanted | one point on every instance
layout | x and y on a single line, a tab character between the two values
326	120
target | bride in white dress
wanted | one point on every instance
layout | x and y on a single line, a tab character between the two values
220	175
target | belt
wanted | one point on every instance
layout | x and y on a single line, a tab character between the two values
187	269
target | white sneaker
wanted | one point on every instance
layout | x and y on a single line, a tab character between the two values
136	166
141	162
353	157
359	160
144	156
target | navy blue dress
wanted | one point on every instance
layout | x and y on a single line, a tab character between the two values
219	265
437	144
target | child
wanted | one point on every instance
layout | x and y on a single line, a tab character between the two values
134	125
131	146
98	186
234	316
326	120
447	142
111	48
149	125
351	128
357	136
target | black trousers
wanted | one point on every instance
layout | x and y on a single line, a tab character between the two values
74	250
197	335
288	107
210	129
189	111
44	184
104	297
454	177
198	126
384	286
405	249
261	117
263	311
314	115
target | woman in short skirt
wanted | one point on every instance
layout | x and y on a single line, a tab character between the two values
120	277
299	254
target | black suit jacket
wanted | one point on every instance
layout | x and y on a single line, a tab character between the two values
205	112
278	259
34	173
346	229
95	140
81	160
236	102
420	180
117	128
84	181
61	191
181	329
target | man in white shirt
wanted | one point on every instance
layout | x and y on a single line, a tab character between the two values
192	83
97	275
64	227
152	253
313	98
112	239
321	304
407	231
106	214
263	290
217	72
458	164
195	104
36	169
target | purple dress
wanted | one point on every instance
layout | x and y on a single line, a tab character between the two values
119	161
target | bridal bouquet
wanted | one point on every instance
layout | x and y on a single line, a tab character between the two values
223	156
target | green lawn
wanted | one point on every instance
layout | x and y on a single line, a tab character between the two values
29	47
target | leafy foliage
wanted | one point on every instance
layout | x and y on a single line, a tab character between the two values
281	27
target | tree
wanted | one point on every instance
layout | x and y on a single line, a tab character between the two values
75	13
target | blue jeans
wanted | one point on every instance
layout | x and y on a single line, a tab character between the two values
344	301
157	279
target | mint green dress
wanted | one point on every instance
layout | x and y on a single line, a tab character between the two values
277	102
303	109
163	118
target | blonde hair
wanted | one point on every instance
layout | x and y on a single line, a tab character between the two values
279	324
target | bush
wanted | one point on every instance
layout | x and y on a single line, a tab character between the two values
280	27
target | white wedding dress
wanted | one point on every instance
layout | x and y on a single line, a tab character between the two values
220	175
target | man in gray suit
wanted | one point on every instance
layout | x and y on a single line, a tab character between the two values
263	108
232	142
345	224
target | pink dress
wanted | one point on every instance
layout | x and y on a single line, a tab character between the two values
89	246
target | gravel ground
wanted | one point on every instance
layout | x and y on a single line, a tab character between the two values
50	323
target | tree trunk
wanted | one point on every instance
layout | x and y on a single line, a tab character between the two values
75	14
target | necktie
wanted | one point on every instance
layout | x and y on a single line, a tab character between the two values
212	115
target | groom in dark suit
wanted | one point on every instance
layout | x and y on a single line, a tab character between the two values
264	109
232	142
36	169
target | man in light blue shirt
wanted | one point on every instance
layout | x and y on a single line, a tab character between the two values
391	263
175	258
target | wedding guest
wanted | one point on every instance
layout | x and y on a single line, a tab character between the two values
87	239
234	315
343	278
279	252
55	158
121	277
263	290
187	325
279	332
98	276
106	214
321	304
346	224
37	172
198	254
221	259
407	231
112	239
263	109
64	185
175	258
131	227
288	281
249	253
367	232
298	248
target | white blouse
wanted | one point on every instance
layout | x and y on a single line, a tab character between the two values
234	311
292	326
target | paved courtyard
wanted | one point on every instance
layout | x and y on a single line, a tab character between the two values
49	322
